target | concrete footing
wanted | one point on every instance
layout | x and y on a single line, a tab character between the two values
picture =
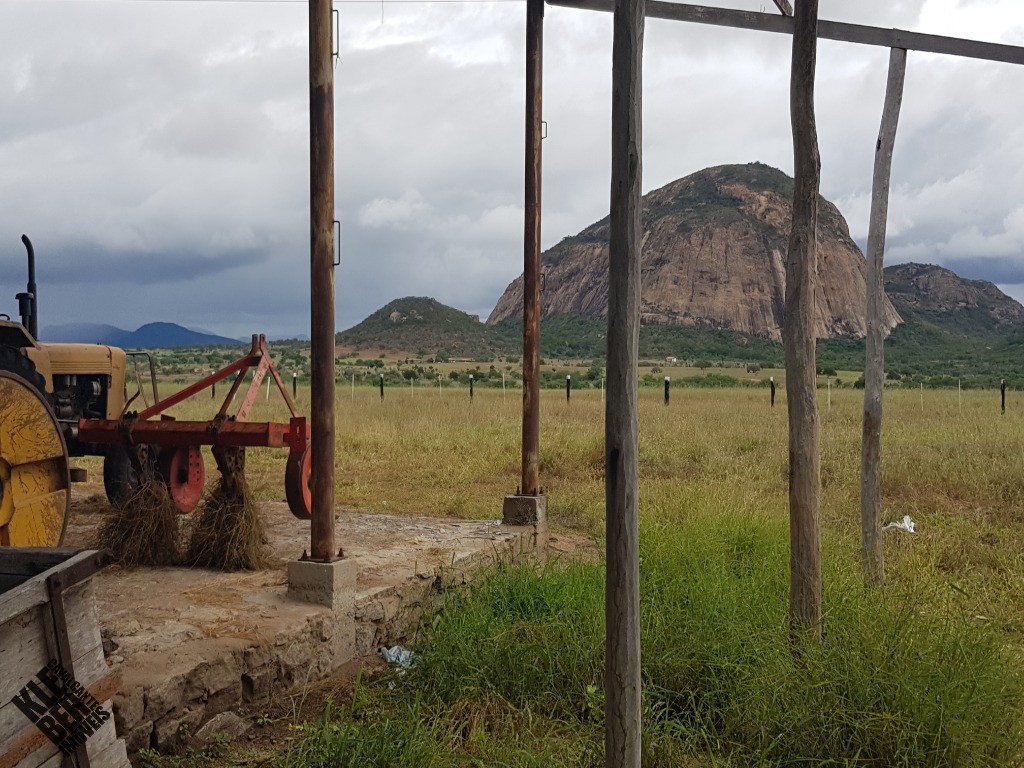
528	510
329	584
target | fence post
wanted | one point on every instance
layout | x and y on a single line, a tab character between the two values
568	387
295	385
1002	393
668	381
471	387
382	387
771	383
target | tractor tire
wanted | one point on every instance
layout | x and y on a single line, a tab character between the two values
12	361
35	482
121	478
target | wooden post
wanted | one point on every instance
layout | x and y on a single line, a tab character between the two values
959	398
568	388
771	386
321	227
872	557
471	387
828	383
382	387
531	250
668	384
1002	395
622	548
295	385
798	332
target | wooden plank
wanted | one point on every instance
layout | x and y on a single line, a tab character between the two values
622	589
799	339
23	648
33	592
26	746
784	7
31	561
872	557
827	30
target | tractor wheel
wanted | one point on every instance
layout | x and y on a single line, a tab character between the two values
125	469
35	482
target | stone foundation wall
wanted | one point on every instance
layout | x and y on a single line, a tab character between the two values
163	716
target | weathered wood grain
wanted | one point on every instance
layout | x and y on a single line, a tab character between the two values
827	30
872	556
622	595
798	336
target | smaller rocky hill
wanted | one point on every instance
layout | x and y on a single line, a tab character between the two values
418	325
941	295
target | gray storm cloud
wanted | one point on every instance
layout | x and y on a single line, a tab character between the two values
157	153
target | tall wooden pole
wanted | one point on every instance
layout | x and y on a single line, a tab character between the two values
321	229
622	589
798	332
531	250
874	367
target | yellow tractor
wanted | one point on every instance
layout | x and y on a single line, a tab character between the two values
63	400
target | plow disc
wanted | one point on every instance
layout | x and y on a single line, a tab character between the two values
184	475
296	485
35	486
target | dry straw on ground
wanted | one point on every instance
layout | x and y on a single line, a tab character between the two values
142	529
228	532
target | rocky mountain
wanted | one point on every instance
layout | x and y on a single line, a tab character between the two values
714	247
149	336
925	289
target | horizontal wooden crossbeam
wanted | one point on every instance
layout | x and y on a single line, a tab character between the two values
827	30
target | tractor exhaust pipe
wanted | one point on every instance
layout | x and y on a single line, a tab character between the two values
27	302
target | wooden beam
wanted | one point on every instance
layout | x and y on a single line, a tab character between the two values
321	228
621	473
785	7
874	366
827	30
799	338
531	250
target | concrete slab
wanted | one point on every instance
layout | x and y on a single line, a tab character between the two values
191	643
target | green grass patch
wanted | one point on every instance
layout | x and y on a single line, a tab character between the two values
511	673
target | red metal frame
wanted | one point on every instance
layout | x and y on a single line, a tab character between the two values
222	430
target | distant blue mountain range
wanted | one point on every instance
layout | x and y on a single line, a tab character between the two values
149	336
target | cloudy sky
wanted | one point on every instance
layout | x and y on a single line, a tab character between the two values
156	151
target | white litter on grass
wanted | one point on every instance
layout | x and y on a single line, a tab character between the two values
907	525
399	656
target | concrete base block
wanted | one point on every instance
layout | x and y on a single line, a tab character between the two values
330	584
525	510
528	510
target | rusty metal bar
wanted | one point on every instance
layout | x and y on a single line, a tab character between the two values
321	229
245	363
170	433
531	250
253	392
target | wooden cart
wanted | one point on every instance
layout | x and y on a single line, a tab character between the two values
55	687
